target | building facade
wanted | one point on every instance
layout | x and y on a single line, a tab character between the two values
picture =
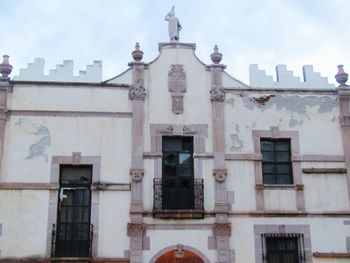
173	161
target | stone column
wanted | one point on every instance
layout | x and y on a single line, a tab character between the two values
217	96
137	95
5	87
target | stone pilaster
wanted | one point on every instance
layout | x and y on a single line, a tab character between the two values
137	95
136	232
217	96
5	88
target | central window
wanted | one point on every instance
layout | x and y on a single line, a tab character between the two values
276	161
282	249
177	174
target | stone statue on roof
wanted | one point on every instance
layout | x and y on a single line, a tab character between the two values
174	25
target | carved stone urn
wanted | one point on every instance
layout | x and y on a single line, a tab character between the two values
5	68
216	56
137	54
341	77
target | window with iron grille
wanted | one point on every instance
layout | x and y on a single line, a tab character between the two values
276	161
72	234
283	248
177	177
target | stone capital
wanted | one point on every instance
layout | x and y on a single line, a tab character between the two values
222	229
136	229
137	92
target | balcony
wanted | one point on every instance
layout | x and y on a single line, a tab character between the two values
191	207
72	240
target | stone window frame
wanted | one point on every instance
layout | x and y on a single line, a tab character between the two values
303	231
275	133
199	132
74	159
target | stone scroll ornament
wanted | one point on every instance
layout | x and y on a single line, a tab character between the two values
177	87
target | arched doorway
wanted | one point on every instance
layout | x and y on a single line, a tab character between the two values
179	254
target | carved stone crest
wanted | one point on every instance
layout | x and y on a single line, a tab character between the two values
220	175
76	157
137	92
217	93
177	87
177	79
275	131
136	174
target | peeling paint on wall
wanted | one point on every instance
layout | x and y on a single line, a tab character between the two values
237	143
19	122
294	122
39	148
293	103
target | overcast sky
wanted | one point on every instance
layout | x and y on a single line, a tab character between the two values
264	32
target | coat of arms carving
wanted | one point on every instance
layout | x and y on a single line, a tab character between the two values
177	87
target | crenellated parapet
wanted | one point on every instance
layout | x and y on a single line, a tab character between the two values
286	79
62	73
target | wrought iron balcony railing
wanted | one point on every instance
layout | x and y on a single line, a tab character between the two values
71	240
196	201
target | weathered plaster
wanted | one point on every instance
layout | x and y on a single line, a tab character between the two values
294	122
293	103
237	143
39	148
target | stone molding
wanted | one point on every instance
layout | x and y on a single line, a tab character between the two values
345	120
136	174
220	175
136	229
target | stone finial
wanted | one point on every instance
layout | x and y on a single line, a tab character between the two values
137	54
216	56
5	68
341	77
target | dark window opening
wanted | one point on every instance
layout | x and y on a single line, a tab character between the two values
73	232
177	178
276	161
282	250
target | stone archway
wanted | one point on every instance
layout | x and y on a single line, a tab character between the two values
179	254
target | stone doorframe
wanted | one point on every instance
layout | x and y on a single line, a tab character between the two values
176	247
75	159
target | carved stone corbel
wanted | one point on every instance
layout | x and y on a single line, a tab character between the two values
217	93
137	92
136	174
220	175
136	229
222	229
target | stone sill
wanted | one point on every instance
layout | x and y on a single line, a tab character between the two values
179	214
64	260
279	186
331	255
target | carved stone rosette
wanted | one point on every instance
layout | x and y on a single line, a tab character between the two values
137	92
217	93
220	175
177	87
222	229
136	229
136	174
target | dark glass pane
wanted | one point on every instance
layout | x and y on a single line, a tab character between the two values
269	179
185	172
170	158
268	168
69	211
169	170
268	156
284	179
266	145
75	174
187	145
185	159
282	145
283	168
185	183
282	157
169	183
172	144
